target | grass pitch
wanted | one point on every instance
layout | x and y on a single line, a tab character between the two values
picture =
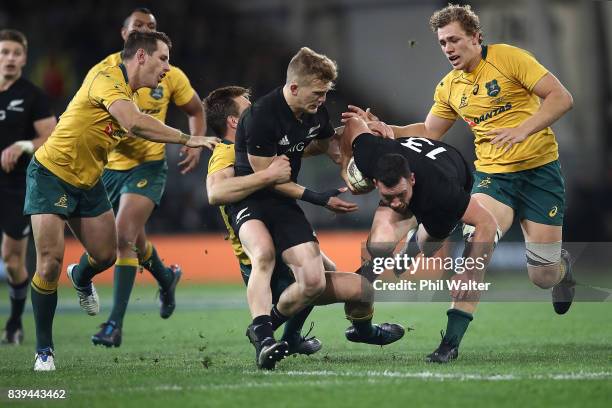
514	354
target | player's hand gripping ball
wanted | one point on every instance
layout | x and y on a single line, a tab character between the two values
359	183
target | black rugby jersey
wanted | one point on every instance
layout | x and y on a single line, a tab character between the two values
269	128
20	106
442	177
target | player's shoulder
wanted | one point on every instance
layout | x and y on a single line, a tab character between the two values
24	85
446	82
225	147
110	61
222	154
500	53
175	76
265	108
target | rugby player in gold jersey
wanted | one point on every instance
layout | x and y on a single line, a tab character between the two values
135	180
63	179
509	100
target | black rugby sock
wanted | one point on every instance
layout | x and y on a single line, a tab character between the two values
277	318
262	326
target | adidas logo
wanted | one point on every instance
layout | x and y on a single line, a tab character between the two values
284	141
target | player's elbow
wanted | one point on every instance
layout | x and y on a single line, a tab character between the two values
569	100
214	197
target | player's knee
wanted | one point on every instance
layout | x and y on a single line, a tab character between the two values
105	259
380	249
48	267
544	277
126	241
12	262
263	259
313	286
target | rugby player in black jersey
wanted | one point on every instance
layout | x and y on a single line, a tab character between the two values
26	121
290	121
430	181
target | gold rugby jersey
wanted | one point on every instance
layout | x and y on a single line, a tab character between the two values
175	87
224	156
498	94
78	147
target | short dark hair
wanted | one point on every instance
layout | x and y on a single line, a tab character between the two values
390	168
145	40
14	35
464	15
220	104
142	10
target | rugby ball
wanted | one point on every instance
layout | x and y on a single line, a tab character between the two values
359	183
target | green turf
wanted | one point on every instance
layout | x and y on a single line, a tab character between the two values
515	354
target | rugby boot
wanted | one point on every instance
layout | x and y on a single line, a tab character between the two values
13	334
267	351
444	353
564	291
88	297
305	345
384	333
109	335
166	296
44	360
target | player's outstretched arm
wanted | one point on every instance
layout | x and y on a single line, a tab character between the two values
293	190
147	127
434	127
223	188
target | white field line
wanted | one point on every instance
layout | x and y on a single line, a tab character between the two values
335	378
428	375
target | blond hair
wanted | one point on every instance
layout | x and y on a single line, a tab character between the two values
308	65
464	15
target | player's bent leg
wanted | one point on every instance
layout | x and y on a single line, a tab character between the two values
307	265
13	256
357	294
388	229
98	235
48	232
548	265
480	242
328	264
257	244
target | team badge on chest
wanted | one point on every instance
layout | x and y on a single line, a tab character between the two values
157	93
493	88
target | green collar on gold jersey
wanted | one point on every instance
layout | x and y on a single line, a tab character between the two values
124	72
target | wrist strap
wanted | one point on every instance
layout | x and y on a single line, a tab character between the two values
26	145
314	198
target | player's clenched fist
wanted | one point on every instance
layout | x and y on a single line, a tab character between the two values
280	169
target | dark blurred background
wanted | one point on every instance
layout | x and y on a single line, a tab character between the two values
389	61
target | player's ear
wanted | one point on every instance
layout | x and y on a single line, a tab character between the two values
140	55
293	88
411	179
232	121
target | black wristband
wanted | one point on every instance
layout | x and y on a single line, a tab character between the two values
315	198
